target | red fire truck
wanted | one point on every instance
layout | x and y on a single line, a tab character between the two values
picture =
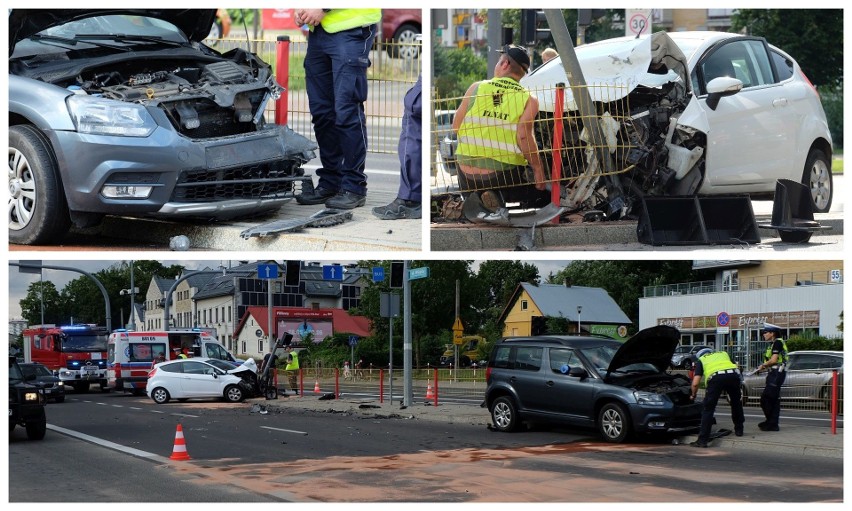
75	353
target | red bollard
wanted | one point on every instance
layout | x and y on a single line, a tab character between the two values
834	396
336	383
556	147
436	387
282	76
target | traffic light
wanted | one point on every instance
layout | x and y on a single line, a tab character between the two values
292	274
397	277
534	27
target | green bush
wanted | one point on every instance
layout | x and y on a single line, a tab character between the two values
814	342
454	70
832	103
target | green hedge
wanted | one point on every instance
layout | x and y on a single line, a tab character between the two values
798	343
832	103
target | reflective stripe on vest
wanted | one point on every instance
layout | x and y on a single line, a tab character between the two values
338	20
715	362
782	357
488	135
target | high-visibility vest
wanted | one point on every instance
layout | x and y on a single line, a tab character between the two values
715	362
294	364
782	357
488	135
338	20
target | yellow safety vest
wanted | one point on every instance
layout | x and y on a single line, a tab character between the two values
715	362
488	135
338	20
782	357
294	365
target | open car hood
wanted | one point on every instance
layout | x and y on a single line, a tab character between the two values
23	23
654	345
612	69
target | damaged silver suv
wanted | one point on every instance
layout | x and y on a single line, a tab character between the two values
618	389
126	112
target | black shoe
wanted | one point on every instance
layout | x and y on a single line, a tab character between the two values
766	427
346	200
317	196
699	443
399	208
738	432
761	425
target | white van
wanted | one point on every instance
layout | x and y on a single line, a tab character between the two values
131	355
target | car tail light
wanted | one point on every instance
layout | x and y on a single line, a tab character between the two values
805	78
487	374
151	373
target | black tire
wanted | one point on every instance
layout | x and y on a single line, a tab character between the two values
614	423
38	212
270	393
160	395
37	429
404	43
817	177
234	394
504	414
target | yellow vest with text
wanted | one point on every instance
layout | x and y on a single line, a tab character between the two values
782	357
338	20
715	362
488	135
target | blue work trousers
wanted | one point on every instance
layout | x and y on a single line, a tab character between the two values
730	383
411	145
336	82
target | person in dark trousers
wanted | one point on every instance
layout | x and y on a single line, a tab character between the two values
408	201
292	369
336	63
721	375
775	361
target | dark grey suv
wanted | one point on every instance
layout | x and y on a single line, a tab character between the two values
619	389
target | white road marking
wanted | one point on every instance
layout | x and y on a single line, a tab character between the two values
108	444
286	430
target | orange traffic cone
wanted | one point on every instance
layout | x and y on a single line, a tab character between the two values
316	387
179	451
429	394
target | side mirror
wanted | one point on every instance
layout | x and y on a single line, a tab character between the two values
578	372
721	87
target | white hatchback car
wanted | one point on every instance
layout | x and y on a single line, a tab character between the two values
195	378
703	113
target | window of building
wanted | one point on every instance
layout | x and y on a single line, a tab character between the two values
260	346
524	305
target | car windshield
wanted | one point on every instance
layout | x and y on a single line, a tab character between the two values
221	364
111	31
37	370
682	349
601	358
83	343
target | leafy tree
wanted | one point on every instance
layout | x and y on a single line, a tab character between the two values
814	37
453	70
31	304
497	282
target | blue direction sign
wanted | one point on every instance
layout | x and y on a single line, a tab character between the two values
418	273
353	340
267	271
378	274
332	272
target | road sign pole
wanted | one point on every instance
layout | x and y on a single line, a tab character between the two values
406	351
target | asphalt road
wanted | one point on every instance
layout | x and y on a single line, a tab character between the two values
241	455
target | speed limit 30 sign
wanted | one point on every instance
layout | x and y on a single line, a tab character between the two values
637	21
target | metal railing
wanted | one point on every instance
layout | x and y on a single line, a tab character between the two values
741	284
394	69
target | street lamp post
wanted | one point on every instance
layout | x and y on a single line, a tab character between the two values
579	325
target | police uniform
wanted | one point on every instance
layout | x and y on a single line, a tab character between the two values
720	375
336	81
770	398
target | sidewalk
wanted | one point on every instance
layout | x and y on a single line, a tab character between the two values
799	440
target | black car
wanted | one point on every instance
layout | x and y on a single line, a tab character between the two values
39	375
618	388
26	404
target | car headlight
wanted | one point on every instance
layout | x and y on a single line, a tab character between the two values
106	117
31	396
649	398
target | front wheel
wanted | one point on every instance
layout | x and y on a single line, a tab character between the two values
160	395
405	43
817	177
504	414
614	423
37	429
38	213
234	394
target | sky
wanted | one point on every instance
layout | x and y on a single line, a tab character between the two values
20	282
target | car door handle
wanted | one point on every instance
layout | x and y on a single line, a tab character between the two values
779	102
549	383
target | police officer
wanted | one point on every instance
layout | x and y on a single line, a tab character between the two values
494	123
336	65
775	361
721	375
